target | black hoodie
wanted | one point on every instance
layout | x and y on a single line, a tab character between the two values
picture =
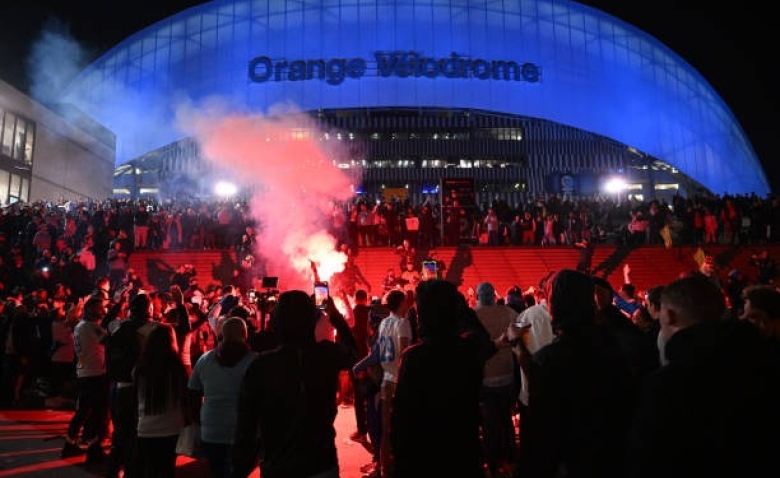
288	397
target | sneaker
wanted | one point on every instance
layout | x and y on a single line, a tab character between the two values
70	450
358	437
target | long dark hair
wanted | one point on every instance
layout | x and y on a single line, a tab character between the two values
160	373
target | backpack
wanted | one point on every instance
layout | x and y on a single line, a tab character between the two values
122	351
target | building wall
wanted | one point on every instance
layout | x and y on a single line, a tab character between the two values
72	158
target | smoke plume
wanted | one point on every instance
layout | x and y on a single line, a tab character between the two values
294	182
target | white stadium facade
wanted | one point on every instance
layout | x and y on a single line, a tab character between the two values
525	97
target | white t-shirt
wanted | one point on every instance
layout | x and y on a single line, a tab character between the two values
539	335
391	330
90	351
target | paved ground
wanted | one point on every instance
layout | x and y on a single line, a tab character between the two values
31	439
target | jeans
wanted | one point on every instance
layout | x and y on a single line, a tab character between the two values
498	429
91	409
124	414
218	458
156	457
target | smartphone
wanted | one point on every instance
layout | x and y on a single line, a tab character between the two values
430	270
321	294
521	325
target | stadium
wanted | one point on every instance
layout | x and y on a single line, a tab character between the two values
523	98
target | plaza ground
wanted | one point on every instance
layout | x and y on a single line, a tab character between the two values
31	440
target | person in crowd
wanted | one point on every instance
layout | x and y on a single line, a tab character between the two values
709	268
625	298
762	308
117	264
128	340
368	370
498	385
733	286
526	228
513	297
647	318
141	221
538	335
711	408
410	277
177	316
287	399
490	223
394	335
216	380
360	314
581	392
350	278
220	308
765	265
63	351
435	420
182	275
163	409
637	229
92	385
637	345
411	315
391	281
585	261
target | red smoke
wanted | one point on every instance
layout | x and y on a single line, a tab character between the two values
295	186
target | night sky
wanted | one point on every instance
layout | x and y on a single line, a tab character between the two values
730	45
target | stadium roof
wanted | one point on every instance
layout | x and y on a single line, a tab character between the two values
551	59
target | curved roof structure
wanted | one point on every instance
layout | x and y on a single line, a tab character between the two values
551	59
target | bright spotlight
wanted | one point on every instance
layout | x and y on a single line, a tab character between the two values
614	185
225	189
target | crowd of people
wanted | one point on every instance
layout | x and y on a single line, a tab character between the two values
682	380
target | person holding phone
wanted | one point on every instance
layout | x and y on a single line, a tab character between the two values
321	294
288	396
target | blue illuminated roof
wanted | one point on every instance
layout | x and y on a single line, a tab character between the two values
595	73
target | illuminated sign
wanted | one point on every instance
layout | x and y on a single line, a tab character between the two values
404	64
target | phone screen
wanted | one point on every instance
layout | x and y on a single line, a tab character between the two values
321	294
430	270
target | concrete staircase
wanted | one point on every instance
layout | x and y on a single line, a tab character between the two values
466	266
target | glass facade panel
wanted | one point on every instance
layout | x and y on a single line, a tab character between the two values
25	191
4	183
590	61
29	144
15	189
7	141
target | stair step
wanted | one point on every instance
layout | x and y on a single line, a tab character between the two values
504	266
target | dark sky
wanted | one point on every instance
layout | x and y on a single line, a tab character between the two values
730	45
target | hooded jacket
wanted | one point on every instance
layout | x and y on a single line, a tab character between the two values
288	397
